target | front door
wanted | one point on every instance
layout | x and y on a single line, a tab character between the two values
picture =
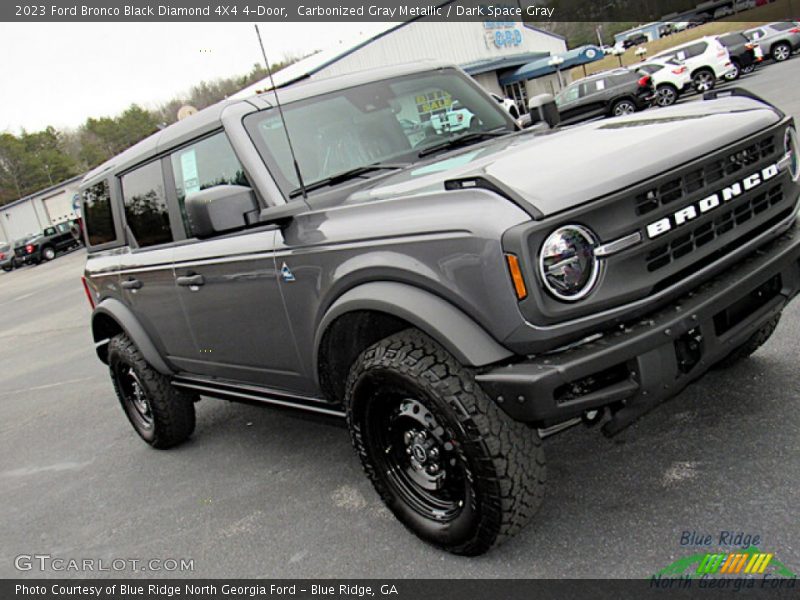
229	290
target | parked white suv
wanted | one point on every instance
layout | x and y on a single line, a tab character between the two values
706	59
670	77
506	103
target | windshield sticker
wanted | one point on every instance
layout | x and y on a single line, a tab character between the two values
191	182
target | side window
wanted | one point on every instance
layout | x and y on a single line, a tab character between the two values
696	49
569	94
146	206
97	217
49	231
207	163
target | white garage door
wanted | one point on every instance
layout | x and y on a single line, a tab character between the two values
20	220
59	207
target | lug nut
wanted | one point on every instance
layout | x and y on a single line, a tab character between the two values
433	468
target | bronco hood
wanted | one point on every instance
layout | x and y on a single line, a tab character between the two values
564	168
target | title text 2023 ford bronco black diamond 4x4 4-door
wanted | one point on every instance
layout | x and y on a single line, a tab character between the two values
453	294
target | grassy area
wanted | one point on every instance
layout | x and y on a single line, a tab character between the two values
758	16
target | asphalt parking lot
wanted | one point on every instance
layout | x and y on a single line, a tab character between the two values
259	493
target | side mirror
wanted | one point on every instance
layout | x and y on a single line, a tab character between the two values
220	209
543	109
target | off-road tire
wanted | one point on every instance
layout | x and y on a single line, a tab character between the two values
172	410
758	339
504	459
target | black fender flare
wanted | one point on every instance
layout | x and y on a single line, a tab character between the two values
459	334
128	322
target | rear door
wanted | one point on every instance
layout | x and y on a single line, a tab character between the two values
228	286
582	100
593	98
147	279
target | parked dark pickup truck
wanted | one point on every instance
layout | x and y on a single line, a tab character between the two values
46	245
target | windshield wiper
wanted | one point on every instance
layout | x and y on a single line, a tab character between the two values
462	140
345	176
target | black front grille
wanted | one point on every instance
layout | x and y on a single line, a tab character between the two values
707	232
684	253
710	173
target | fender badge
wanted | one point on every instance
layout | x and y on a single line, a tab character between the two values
286	273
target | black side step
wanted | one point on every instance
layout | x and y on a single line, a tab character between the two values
253	394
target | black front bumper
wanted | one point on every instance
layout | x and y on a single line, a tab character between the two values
639	365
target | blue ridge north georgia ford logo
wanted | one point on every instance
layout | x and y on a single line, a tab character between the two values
709	203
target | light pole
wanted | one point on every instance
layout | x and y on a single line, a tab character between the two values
557	61
641	53
618	52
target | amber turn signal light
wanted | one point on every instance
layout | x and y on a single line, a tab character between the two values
516	276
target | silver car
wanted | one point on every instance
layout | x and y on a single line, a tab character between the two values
6	256
777	40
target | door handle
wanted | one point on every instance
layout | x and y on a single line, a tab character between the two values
190	280
131	284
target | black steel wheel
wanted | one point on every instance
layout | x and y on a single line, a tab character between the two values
445	459
133	396
162	415
419	457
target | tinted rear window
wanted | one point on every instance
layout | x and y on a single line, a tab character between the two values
651	68
733	39
97	214
146	209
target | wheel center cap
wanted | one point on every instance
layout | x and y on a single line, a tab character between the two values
419	453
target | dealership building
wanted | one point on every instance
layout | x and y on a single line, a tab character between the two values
33	213
498	54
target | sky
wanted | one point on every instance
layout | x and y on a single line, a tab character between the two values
61	73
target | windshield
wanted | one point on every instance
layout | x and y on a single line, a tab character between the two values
388	121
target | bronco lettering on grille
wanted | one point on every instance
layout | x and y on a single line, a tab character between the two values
686	214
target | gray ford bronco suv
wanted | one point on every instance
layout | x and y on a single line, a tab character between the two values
455	295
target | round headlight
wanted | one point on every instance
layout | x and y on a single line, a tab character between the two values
567	263
792	146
